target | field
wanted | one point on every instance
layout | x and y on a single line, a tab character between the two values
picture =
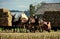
9	34
43	35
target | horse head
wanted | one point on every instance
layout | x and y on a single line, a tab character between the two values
13	17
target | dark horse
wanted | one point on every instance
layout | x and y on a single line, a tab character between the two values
15	24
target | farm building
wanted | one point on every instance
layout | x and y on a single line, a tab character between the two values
5	17
48	7
51	12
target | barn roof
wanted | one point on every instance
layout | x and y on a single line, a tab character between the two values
48	7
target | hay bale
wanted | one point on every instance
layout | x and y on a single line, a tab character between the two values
5	17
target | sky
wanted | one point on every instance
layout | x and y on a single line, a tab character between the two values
21	5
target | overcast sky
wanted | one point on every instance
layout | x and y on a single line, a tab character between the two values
21	4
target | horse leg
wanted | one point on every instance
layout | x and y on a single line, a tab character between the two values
48	30
40	29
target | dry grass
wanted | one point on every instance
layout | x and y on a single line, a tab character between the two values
44	35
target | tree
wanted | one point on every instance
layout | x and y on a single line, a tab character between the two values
32	10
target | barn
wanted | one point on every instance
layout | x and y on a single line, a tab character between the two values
50	12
